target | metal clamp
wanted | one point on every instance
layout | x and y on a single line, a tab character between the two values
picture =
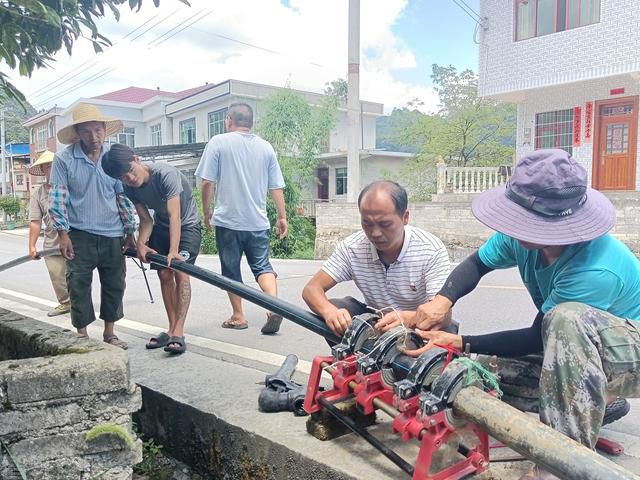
360	331
387	348
423	373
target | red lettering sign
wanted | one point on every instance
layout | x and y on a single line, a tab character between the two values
577	125
616	91
588	120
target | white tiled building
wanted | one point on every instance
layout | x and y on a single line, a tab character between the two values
155	117
573	68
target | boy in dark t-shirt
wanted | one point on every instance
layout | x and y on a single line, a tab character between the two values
173	231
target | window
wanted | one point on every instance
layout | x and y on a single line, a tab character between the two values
41	138
126	136
19	179
52	133
188	131
535	18
341	181
156	135
555	130
216	122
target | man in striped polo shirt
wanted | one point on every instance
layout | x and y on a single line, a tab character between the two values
396	267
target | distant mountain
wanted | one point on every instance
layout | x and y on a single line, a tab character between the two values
14	116
387	131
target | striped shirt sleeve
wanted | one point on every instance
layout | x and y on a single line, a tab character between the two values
338	265
127	213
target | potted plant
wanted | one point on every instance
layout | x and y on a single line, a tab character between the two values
11	207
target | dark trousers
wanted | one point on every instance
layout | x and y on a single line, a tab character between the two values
91	252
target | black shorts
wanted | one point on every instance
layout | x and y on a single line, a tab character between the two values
189	246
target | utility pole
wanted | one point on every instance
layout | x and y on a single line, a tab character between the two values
353	104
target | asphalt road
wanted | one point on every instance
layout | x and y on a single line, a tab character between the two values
501	302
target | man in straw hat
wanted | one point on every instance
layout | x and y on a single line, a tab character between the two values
89	210
584	282
38	212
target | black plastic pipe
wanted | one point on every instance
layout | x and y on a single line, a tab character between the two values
296	314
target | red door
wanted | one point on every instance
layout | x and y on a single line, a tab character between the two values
616	144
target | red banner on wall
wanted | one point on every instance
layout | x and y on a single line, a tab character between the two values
588	120
577	125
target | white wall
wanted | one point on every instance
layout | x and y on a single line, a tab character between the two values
610	47
562	97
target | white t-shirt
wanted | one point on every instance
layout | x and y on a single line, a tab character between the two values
244	167
413	279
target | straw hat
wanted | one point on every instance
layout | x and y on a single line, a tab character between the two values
45	157
83	113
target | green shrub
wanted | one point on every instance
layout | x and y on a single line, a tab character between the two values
11	206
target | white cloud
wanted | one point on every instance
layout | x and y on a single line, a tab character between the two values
262	41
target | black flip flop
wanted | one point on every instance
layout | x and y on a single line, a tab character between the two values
159	341
181	348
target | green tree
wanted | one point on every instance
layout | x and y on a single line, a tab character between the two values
34	30
469	130
297	132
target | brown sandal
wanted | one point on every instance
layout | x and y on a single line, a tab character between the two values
116	342
235	326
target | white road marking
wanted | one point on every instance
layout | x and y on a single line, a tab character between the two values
247	353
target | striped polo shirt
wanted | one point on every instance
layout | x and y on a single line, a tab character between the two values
413	279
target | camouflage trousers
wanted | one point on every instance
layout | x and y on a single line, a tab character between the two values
589	357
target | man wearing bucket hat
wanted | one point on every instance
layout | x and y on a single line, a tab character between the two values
90	212
584	282
38	213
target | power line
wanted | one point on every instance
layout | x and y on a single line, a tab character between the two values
176	27
108	70
183	28
98	60
80	84
470	12
51	85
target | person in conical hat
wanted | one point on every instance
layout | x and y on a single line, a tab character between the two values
584	283
93	217
38	213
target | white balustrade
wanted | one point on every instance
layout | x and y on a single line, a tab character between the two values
470	179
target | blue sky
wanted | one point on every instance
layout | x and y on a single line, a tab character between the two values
299	43
439	32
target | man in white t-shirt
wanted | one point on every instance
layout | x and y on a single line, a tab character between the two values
238	168
396	267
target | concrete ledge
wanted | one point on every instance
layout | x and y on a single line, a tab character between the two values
54	389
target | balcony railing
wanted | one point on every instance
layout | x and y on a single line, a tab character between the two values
307	207
470	179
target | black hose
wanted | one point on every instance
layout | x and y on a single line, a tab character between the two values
296	314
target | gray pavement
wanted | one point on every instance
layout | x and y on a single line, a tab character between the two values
500	303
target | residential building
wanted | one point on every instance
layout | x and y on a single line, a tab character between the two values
573	68
155	118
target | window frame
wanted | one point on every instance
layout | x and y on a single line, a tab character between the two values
41	138
156	134
213	123
516	12
556	127
181	125
344	178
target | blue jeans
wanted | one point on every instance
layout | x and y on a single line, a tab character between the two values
233	243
